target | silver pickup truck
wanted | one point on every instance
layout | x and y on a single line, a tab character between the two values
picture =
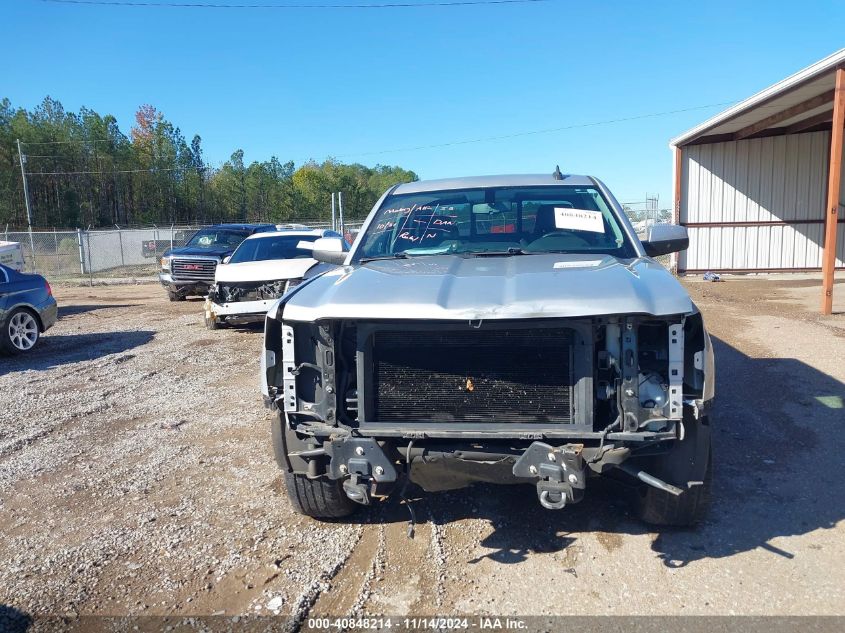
507	329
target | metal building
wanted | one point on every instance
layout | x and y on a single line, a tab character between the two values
760	187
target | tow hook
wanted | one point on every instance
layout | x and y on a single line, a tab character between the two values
356	491
546	497
559	471
363	466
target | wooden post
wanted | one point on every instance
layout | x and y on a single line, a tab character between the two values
676	210
834	180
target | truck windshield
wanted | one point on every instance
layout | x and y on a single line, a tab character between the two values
213	238
276	247
496	221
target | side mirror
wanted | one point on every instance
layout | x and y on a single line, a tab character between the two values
326	249
226	259
662	239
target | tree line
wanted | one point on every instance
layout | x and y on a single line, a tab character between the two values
82	170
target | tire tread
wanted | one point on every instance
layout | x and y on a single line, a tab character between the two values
319	498
658	507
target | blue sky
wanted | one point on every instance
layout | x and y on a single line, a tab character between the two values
309	83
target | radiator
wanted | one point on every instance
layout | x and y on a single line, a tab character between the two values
473	375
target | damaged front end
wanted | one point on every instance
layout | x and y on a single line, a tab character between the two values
550	402
243	302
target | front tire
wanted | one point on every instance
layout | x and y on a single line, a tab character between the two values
20	332
321	498
691	460
212	323
175	296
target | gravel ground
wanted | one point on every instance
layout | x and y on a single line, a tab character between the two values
136	477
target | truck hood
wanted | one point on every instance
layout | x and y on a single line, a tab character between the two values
515	287
218	253
268	270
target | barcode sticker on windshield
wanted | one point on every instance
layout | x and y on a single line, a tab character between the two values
578	220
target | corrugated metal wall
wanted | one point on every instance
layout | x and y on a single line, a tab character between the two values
739	184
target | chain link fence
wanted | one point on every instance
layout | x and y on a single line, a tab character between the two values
110	254
123	253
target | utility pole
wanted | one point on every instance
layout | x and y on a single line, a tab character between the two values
333	212
25	190
26	201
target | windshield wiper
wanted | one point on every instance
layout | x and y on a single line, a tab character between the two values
364	260
514	250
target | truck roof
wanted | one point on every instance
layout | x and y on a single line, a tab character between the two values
478	182
295	233
242	226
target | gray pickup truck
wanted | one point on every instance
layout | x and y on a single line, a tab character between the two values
507	329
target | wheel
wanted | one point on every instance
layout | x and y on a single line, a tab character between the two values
321	498
212	323
662	508
21	331
691	460
175	296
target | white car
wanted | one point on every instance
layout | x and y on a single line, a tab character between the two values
262	269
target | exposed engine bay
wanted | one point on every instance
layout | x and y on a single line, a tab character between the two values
359	396
579	374
242	302
229	292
